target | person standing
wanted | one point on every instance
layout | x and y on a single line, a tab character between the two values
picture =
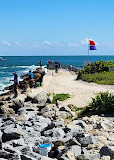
30	79
16	83
42	73
40	63
56	67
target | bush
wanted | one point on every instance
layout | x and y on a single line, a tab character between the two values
98	66
99	78
102	104
97	72
60	97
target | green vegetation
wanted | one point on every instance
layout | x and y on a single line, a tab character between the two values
98	72
77	109
48	94
52	69
54	97
99	78
60	97
102	104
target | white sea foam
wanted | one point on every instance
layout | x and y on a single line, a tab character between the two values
5	81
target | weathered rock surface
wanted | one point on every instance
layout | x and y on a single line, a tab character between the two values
37	122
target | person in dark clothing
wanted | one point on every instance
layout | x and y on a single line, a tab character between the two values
41	77
56	67
40	63
30	79
16	83
59	65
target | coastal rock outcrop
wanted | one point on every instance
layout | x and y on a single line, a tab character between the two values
37	122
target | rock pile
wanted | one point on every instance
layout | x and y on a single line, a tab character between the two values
36	122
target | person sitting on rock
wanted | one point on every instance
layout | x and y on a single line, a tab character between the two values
30	79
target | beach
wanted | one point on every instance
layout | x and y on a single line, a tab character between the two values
65	82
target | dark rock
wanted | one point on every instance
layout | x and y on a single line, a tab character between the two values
55	132
28	98
18	142
9	156
66	130
1	103
28	124
24	157
17	103
107	151
25	150
80	123
97	126
85	141
70	141
11	133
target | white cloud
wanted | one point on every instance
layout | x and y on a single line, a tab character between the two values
48	43
73	44
85	41
18	44
109	44
35	45
6	43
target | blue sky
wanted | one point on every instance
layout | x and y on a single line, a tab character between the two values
56	27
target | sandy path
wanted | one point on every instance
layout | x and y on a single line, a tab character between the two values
65	82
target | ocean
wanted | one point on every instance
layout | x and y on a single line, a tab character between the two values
22	64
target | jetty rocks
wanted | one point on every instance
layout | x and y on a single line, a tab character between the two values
25	124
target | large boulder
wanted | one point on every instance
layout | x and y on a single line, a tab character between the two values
76	150
66	109
55	132
85	141
11	133
6	110
17	104
8	155
70	141
40	99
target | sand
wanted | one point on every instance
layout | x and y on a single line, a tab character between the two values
65	82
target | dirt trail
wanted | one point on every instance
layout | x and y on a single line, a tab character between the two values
65	82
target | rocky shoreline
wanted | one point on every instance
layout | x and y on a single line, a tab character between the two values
24	125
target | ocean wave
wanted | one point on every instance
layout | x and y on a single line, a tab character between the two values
7	76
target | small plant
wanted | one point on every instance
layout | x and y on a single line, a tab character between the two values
77	109
60	97
48	94
102	104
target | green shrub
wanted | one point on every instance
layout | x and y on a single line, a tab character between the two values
102	104
98	66
97	72
60	97
99	78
